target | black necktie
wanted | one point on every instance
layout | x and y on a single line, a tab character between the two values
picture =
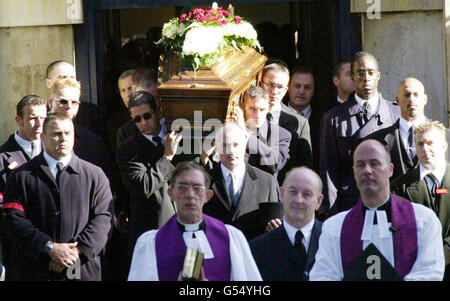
32	150
159	144
269	117
59	169
433	195
411	146
299	246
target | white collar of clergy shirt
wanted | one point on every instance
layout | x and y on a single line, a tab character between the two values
382	222
373	101
161	134
195	238
52	162
26	145
306	231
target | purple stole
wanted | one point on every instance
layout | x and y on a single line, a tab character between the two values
170	250
405	239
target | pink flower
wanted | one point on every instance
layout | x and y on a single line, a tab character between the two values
182	18
226	14
237	20
223	22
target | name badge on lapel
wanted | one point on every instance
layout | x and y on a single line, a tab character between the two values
442	191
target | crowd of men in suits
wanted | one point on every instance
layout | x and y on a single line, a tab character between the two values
279	167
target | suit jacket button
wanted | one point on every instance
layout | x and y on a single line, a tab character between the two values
57	213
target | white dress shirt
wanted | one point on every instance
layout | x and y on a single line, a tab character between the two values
429	264
276	112
405	126
438	173
373	102
52	162
306	231
150	137
238	177
26	145
144	264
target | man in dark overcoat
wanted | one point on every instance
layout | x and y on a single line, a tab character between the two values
57	211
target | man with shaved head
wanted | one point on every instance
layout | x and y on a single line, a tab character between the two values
404	235
399	138
287	253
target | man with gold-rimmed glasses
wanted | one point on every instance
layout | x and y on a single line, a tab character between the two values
365	112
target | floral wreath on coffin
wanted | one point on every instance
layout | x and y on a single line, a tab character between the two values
200	37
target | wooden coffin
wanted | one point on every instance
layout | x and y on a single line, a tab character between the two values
213	91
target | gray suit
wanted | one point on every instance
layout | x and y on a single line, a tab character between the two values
341	129
259	188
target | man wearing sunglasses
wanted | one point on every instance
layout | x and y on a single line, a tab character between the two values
144	160
65	99
364	113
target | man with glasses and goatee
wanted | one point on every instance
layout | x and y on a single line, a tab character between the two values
365	112
65	99
144	161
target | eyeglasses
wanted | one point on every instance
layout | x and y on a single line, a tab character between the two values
146	116
273	86
65	101
183	188
362	73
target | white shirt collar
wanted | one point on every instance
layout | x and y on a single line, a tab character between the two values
26	145
306	112
150	137
52	162
438	172
191	227
238	172
306	230
405	125
373	101
339	100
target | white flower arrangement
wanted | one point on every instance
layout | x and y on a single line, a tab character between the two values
199	37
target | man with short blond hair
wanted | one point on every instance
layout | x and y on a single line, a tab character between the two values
428	183
65	99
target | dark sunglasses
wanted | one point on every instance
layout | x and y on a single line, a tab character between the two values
65	101
146	116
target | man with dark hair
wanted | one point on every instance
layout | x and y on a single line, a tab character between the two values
301	92
57	211
287	253
159	254
21	147
142	80
275	80
342	80
428	183
404	237
268	143
144	160
365	112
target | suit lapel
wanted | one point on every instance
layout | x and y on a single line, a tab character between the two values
313	245
444	203
283	240
418	189
219	188
248	193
